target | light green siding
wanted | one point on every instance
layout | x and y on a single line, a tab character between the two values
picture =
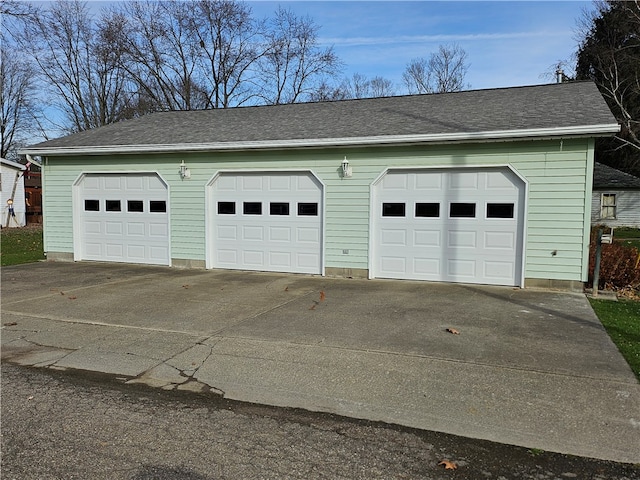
557	173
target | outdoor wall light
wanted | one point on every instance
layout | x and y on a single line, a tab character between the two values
184	171
346	168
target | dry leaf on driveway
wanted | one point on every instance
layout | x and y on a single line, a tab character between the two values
448	465
453	330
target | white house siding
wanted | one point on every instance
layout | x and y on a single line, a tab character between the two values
12	177
627	208
556	172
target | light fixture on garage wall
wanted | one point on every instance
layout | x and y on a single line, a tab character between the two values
184	171
346	168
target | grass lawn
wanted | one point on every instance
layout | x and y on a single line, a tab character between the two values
622	321
629	237
21	245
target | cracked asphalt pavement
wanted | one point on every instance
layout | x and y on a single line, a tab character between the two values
63	425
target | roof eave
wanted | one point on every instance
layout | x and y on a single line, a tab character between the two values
462	137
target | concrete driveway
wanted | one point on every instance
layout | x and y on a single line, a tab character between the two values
529	368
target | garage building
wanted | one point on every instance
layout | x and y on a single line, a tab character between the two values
485	186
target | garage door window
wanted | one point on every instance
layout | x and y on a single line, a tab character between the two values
135	206
226	208
92	205
252	208
462	210
113	206
393	209
158	206
500	210
308	209
429	210
279	208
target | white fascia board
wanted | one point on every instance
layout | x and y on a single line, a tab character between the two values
525	134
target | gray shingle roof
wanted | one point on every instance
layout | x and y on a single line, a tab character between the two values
607	177
507	110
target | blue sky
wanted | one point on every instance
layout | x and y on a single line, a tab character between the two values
508	43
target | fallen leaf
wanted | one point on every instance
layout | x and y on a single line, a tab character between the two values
72	297
185	286
61	293
322	296
448	465
453	330
313	307
30	397
286	289
10	324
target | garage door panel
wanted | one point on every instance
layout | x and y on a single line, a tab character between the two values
114	251
279	219
136	252
135	229
429	267
280	234
500	240
394	237
253	258
482	243
114	228
134	184
426	238
425	181
308	235
463	181
227	257
279	183
497	183
462	239
459	268
499	270
158	230
112	183
280	260
307	260
252	233
92	227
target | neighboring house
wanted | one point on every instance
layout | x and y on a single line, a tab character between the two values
616	198
486	186
12	201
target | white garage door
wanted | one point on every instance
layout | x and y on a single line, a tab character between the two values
463	225
267	222
123	218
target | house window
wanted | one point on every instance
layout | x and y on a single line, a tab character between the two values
608	206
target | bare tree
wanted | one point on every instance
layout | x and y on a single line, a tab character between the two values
445	71
295	67
359	86
609	54
159	52
81	74
17	92
231	43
